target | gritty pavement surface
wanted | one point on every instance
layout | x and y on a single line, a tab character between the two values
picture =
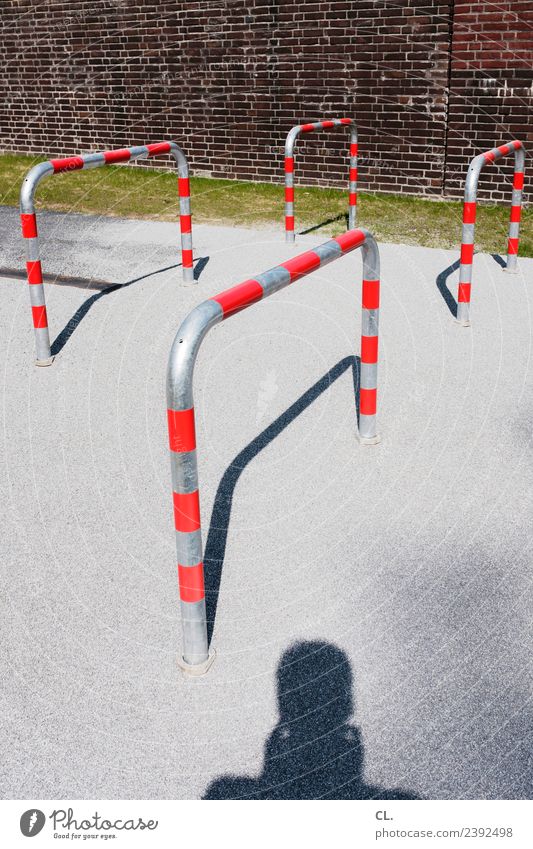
394	582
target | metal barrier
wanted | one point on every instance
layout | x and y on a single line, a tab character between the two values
77	163
289	170
469	220
181	422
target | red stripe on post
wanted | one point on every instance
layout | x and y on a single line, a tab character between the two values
158	147
289	194
512	246
186	511
505	149
327	125
121	155
370	294
191	582
464	293
184	188
346	121
186	258
353	149
29	225
467	254
307	128
353	173
289	164
368	402
351	239
518	180
185	223
352	199
301	265
239	297
516	144
289	222
71	163
181	430
490	156
39	317
469	213
369	349
34	272
516	212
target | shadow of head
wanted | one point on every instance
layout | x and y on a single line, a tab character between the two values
315	751
314	685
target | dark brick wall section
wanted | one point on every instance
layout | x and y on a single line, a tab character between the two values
228	78
491	90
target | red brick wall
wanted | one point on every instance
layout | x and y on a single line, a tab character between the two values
228	78
491	89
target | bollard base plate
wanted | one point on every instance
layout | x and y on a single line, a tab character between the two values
47	362
510	270
463	323
198	669
370	440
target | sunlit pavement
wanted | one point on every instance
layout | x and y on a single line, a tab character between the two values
412	557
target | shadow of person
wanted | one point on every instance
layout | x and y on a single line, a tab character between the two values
315	751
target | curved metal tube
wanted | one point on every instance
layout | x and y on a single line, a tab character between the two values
78	163
180	404
469	219
289	170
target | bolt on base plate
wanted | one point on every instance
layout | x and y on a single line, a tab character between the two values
197	669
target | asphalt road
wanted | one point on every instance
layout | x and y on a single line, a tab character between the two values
373	625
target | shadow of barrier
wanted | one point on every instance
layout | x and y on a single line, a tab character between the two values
215	546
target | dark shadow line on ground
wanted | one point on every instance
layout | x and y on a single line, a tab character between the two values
215	547
73	323
447	296
500	260
342	217
200	265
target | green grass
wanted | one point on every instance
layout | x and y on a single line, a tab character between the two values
134	192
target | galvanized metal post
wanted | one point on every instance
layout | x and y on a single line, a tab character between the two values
289	170
181	422
469	220
77	163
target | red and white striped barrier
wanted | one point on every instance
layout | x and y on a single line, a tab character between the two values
78	163
181	422
469	219
289	170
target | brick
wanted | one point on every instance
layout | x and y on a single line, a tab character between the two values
121	73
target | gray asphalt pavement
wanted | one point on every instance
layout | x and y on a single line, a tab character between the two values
393	583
